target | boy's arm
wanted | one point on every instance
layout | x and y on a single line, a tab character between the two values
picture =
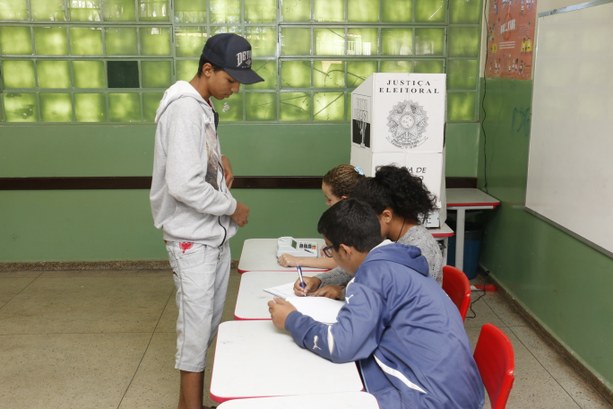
336	276
354	336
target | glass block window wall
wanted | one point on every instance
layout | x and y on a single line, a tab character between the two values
111	60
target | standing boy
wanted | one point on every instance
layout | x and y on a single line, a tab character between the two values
397	323
192	204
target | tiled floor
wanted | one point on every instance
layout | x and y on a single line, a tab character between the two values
105	340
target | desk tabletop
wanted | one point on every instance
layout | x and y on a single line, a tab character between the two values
252	300
470	198
261	255
345	400
254	359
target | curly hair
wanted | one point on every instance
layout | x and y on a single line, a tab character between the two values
396	188
342	179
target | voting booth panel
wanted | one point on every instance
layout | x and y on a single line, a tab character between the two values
399	119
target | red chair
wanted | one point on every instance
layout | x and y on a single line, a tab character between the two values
496	362
457	287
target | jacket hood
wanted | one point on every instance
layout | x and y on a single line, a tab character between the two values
180	89
409	256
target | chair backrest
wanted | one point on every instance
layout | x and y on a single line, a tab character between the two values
457	287
496	362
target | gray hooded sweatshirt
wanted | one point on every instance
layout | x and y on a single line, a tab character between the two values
189	197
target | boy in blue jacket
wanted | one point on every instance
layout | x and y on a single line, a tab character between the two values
397	323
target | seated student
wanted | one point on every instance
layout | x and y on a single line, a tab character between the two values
336	185
402	202
398	324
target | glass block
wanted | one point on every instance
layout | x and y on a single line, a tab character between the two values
119	10
260	11
295	41
15	40
156	74
358	71
53	74
189	41
397	66
397	11
86	41
295	106
431	11
14	10
47	10
461	106
463	41
121	41
295	74
151	101
190	11
329	106
329	41
465	11
80	10
261	106
429	66
20	107
50	41
397	41
225	11
266	69
363	11
153	10
122	74
362	41
263	41
328	74
155	41
430	41
124	107
186	69
89	74
230	109
462	74
296	10
90	107
18	74
55	107
329	10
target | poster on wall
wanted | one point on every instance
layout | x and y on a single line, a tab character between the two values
510	39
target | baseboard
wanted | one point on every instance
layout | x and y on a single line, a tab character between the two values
91	265
572	360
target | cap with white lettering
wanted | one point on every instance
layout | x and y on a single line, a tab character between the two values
232	53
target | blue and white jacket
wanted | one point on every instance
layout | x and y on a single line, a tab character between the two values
404	331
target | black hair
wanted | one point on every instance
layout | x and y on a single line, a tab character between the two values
351	222
203	61
396	188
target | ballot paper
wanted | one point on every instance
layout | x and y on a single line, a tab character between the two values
322	309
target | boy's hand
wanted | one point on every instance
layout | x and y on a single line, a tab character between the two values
287	260
312	284
331	291
241	214
279	310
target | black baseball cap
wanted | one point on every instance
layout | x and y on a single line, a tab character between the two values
232	53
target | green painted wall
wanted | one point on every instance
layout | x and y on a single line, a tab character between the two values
97	225
564	283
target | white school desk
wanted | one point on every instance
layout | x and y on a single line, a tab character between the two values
462	200
254	359
252	300
346	400
261	254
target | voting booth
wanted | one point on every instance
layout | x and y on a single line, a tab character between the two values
399	119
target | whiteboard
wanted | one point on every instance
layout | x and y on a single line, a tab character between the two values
570	164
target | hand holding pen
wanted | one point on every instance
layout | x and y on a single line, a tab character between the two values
305	285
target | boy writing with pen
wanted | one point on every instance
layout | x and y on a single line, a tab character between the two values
397	323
